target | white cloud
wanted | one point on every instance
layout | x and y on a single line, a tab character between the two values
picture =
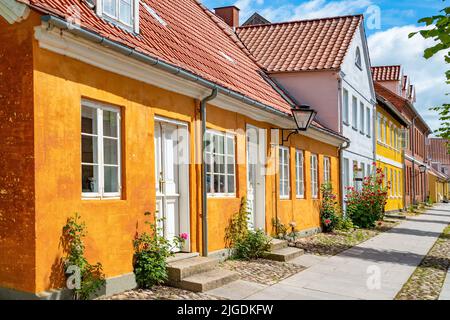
393	46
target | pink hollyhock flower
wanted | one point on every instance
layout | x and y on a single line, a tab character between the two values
327	222
184	236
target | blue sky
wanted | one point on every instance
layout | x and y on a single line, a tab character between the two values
388	24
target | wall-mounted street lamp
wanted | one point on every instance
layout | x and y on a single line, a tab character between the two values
422	168
303	116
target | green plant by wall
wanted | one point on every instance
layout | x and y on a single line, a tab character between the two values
253	246
92	277
151	250
366	206
238	226
329	208
280	229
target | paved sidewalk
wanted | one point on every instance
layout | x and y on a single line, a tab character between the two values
390	257
445	293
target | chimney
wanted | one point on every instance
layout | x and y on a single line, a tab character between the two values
229	14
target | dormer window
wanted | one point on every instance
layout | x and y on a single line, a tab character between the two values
124	13
358	58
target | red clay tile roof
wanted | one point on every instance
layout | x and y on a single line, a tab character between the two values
194	39
386	73
301	45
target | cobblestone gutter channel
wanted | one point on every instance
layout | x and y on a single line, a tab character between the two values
427	280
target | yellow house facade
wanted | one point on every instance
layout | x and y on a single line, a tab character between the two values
389	151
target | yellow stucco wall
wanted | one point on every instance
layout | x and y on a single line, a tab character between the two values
390	159
60	83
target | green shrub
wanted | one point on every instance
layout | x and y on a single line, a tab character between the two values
344	224
253	246
280	229
92	277
238	225
329	208
151	251
365	207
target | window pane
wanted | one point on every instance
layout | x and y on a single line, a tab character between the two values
209	179
230	165
219	164
231	184
208	162
89	149
88	120
208	142
109	7
110	124
125	12
110	151
89	178
230	146
111	179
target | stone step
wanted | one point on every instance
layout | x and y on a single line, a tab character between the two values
276	244
395	216
207	280
180	269
284	254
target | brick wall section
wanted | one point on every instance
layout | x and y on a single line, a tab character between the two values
17	193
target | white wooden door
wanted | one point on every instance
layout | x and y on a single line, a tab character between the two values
256	158
171	182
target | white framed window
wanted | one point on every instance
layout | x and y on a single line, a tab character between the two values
358	58
220	162
125	13
385	129
346	173
100	151
326	169
392	191
314	177
391	125
300	174
284	172
345	106
379	127
368	122
354	113
362	119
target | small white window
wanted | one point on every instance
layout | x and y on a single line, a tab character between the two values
358	58
386	129
345	106
379	127
299	171
314	177
362	118
100	151
220	164
284	172
326	169
354	113
368	124
123	12
346	173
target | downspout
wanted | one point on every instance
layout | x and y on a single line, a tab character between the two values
413	150
212	96
341	165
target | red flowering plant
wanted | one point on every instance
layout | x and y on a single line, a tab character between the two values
329	208
366	206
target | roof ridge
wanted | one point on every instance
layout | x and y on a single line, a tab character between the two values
360	15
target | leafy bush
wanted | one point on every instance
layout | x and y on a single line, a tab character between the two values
253	246
151	253
238	227
344	224
366	206
280	229
329	208
92	277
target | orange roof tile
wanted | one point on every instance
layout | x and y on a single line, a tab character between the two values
386	73
301	45
193	39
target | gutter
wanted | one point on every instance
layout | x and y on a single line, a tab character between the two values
156	62
341	165
212	96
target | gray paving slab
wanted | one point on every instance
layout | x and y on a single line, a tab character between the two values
308	260
237	290
374	269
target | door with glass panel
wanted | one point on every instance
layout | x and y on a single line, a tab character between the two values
256	157
172	185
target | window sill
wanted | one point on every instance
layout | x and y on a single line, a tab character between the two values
346	123
221	196
285	198
300	197
100	198
355	129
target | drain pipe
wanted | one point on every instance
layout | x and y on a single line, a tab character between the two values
341	165
212	96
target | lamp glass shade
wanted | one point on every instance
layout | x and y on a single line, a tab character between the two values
303	117
422	168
